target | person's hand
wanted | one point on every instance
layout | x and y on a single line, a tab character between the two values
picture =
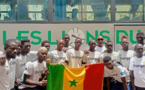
2	60
46	72
18	82
65	49
43	83
86	51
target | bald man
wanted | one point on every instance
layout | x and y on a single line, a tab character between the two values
93	56
35	70
58	55
100	47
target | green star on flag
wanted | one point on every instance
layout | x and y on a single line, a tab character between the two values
73	83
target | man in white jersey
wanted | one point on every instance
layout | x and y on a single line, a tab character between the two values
75	55
58	55
66	39
118	73
109	51
6	73
100	47
93	56
35	70
137	69
125	54
140	39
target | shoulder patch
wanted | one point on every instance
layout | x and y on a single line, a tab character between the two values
122	73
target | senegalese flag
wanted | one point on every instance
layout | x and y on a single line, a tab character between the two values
62	77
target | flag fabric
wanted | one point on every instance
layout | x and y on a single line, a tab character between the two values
63	77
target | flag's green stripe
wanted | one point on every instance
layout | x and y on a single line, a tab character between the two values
55	77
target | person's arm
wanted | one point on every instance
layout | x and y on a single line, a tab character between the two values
124	83
30	82
108	83
132	80
84	59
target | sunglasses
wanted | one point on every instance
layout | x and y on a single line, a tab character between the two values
100	39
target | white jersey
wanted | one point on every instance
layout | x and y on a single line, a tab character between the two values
12	64
117	73
74	57
57	56
113	55
5	76
100	49
124	57
92	57
69	47
137	65
35	70
31	55
1	52
20	66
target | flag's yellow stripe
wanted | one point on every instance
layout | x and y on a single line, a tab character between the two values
71	74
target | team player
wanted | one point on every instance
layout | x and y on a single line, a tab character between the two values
93	56
75	55
35	70
109	51
6	73
137	69
100	47
58	55
140	39
117	72
46	43
125	54
21	61
66	39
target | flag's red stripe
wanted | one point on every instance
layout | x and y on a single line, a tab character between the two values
94	77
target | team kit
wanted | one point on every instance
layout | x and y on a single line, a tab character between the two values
23	69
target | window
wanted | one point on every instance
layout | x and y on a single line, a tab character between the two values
96	10
32	10
8	9
129	10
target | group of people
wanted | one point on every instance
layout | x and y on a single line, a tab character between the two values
23	69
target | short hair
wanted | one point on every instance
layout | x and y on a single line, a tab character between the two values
24	40
107	41
9	41
106	59
65	35
44	41
142	33
42	48
77	39
91	40
124	37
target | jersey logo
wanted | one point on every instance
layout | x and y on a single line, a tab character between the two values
26	69
122	73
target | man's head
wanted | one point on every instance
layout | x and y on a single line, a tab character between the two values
78	43
25	43
92	44
124	42
140	37
11	48
109	45
42	54
60	44
108	62
19	46
66	38
100	40
45	43
139	49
